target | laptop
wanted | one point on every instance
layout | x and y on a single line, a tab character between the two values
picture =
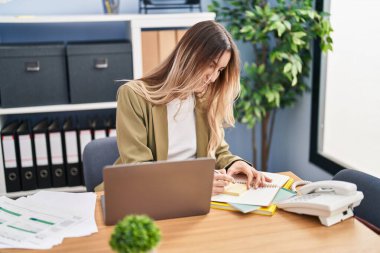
161	190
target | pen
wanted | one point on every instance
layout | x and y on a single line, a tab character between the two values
218	172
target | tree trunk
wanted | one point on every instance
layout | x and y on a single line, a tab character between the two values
254	147
265	142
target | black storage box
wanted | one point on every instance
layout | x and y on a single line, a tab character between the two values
32	75
95	68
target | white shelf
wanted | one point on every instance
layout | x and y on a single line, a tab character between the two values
173	17
135	23
58	108
80	188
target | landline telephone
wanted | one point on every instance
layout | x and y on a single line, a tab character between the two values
332	201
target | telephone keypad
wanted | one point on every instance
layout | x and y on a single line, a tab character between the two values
305	197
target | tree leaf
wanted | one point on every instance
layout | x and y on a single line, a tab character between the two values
280	29
215	4
246	29
299	34
288	25
294	70
299	66
270	96
287	67
257	112
261	69
250	14
294	82
259	10
298	41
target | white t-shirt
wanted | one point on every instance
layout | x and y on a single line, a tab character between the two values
182	144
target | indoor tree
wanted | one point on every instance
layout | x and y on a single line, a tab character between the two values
280	33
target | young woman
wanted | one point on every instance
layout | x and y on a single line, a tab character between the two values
179	109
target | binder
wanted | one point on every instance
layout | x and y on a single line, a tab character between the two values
98	128
27	169
56	154
41	157
11	167
73	166
112	132
111	128
85	137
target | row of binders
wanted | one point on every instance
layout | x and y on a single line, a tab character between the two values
48	154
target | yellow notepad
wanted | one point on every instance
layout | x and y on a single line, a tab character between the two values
263	210
235	189
261	196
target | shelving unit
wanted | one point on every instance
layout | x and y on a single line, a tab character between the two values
58	108
135	22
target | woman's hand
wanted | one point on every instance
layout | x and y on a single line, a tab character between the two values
221	179
254	177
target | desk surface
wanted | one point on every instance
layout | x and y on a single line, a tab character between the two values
225	231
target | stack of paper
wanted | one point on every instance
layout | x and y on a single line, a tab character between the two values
43	220
259	201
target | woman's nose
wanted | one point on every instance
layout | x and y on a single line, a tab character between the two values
214	76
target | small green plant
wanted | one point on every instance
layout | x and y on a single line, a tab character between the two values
135	234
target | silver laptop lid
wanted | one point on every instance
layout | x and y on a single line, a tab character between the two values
162	190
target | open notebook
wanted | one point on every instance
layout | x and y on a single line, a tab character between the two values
262	196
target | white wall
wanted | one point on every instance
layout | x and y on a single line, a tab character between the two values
291	142
351	122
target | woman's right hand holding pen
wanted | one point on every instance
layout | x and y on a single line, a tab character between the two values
221	179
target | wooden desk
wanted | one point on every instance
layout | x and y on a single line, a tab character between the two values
225	231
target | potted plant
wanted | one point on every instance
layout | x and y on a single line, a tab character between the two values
135	234
281	36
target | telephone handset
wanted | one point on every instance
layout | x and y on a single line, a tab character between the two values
338	187
332	201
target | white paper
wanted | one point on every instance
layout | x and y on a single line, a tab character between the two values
55	215
82	204
28	226
262	196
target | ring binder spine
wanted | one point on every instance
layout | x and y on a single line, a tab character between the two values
56	154
27	168
11	166
71	149
41	157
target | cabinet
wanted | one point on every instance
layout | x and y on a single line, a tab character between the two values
157	46
136	23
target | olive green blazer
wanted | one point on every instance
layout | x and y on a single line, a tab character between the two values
142	132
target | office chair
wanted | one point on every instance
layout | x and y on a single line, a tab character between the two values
368	210
97	154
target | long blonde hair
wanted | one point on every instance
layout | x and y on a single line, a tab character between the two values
183	72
